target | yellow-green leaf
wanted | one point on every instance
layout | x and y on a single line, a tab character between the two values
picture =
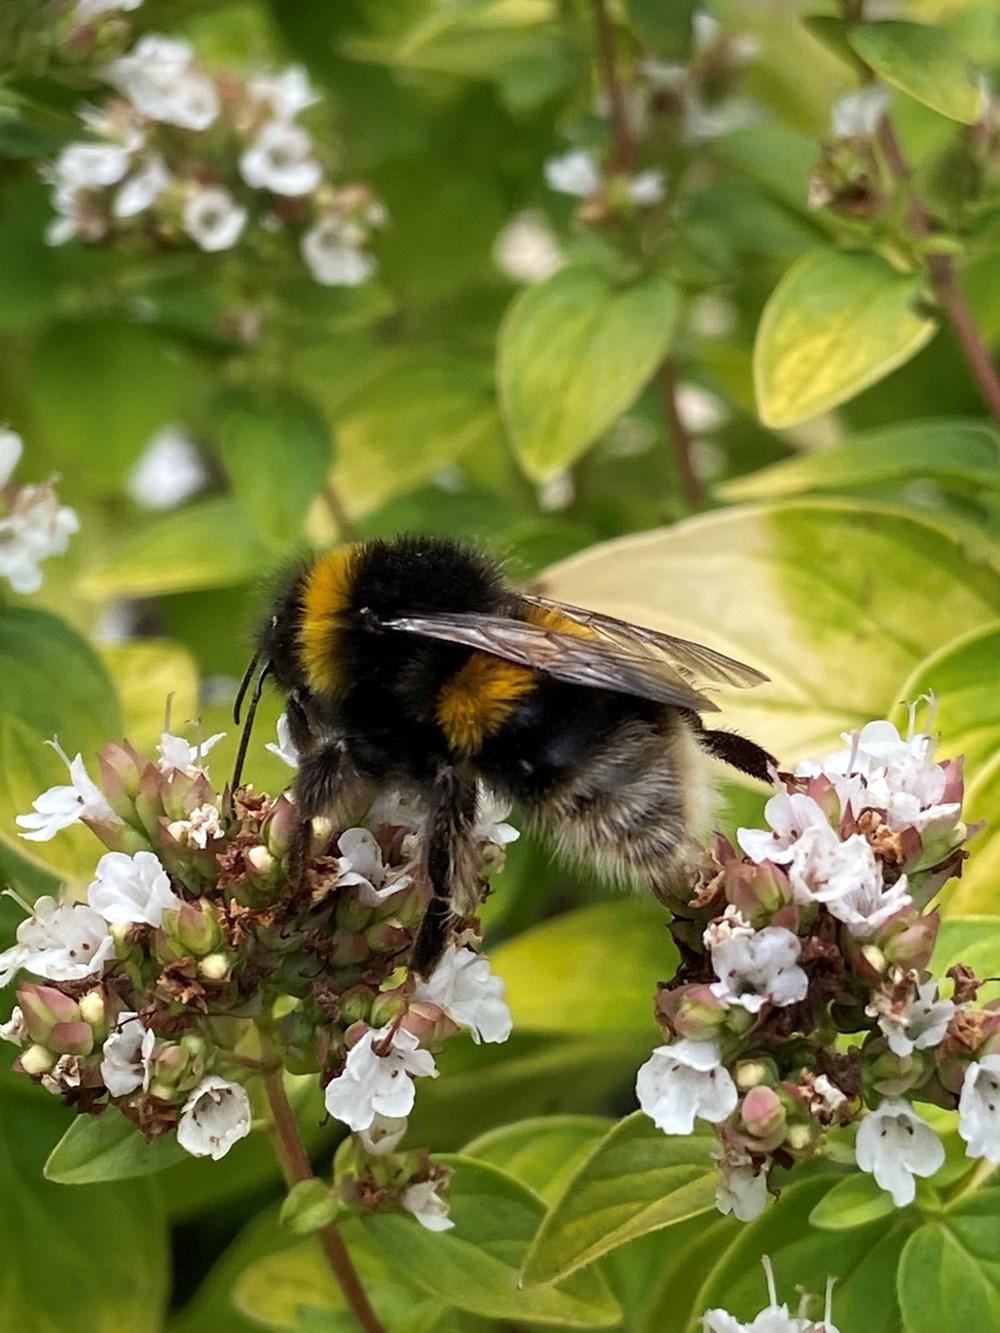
924	61
834	324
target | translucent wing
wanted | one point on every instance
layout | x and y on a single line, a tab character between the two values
599	663
693	661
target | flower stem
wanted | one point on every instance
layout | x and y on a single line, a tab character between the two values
295	1165
680	439
622	147
346	529
944	281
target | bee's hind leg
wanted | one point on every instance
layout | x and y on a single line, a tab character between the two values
450	865
738	752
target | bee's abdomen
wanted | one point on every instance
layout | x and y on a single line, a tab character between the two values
474	703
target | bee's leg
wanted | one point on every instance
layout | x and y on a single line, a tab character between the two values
327	779
738	752
450	863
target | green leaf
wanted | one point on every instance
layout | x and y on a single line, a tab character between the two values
574	351
925	62
636	1180
54	684
542	1153
961	676
962	455
550	971
972	940
666	28
207	545
853	1202
148	672
834	324
100	389
278	453
307	1206
789	588
476	1265
409	422
108	1147
949	1273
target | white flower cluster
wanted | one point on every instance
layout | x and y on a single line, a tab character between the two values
33	524
775	1317
259	165
578	173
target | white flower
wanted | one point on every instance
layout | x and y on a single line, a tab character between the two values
90	166
895	1144
373	1084
178	756
142	189
286	93
427	1205
383	1134
213	219
774	1318
918	1022
280	160
64	1076
700	410
361	864
36	527
126	1056
758	967
463	986
132	889
285	748
60	942
11	448
201	826
215	1116
979	1109
168	470
859	112
526	250
683	1081
491	813
789	814
741	1190
576	172
14	1030
85	10
332	260
159	78
59	807
647	188
844	874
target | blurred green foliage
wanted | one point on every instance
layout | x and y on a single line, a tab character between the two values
759	376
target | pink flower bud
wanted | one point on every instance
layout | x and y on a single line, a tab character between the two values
280	826
912	943
762	1117
71	1038
757	890
348	949
387	937
428	1023
692	1011
43	1007
121	773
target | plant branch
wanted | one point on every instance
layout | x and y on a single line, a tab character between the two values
295	1165
622	145
681	441
346	529
944	280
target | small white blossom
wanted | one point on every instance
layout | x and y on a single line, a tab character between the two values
647	188
526	250
361	864
199	829
919	1022
859	113
463	986
286	93
85	10
427	1205
132	889
845	875
14	1030
178	756
168	470
373	1084
576	172
60	942
35	527
683	1081
64	1076
774	1318
142	189
759	967
741	1190
215	1116
788	815
383	1134
90	166
280	160
213	219
894	1144
159	78
491	814
11	448
979	1109
331	259
285	748
700	410
59	807
126	1055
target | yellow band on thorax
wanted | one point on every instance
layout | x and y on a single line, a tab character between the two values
326	594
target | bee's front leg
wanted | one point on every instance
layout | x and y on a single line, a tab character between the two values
449	862
327	784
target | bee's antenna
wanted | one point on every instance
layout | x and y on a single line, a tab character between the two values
244	684
258	688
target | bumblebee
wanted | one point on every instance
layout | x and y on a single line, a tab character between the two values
411	663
